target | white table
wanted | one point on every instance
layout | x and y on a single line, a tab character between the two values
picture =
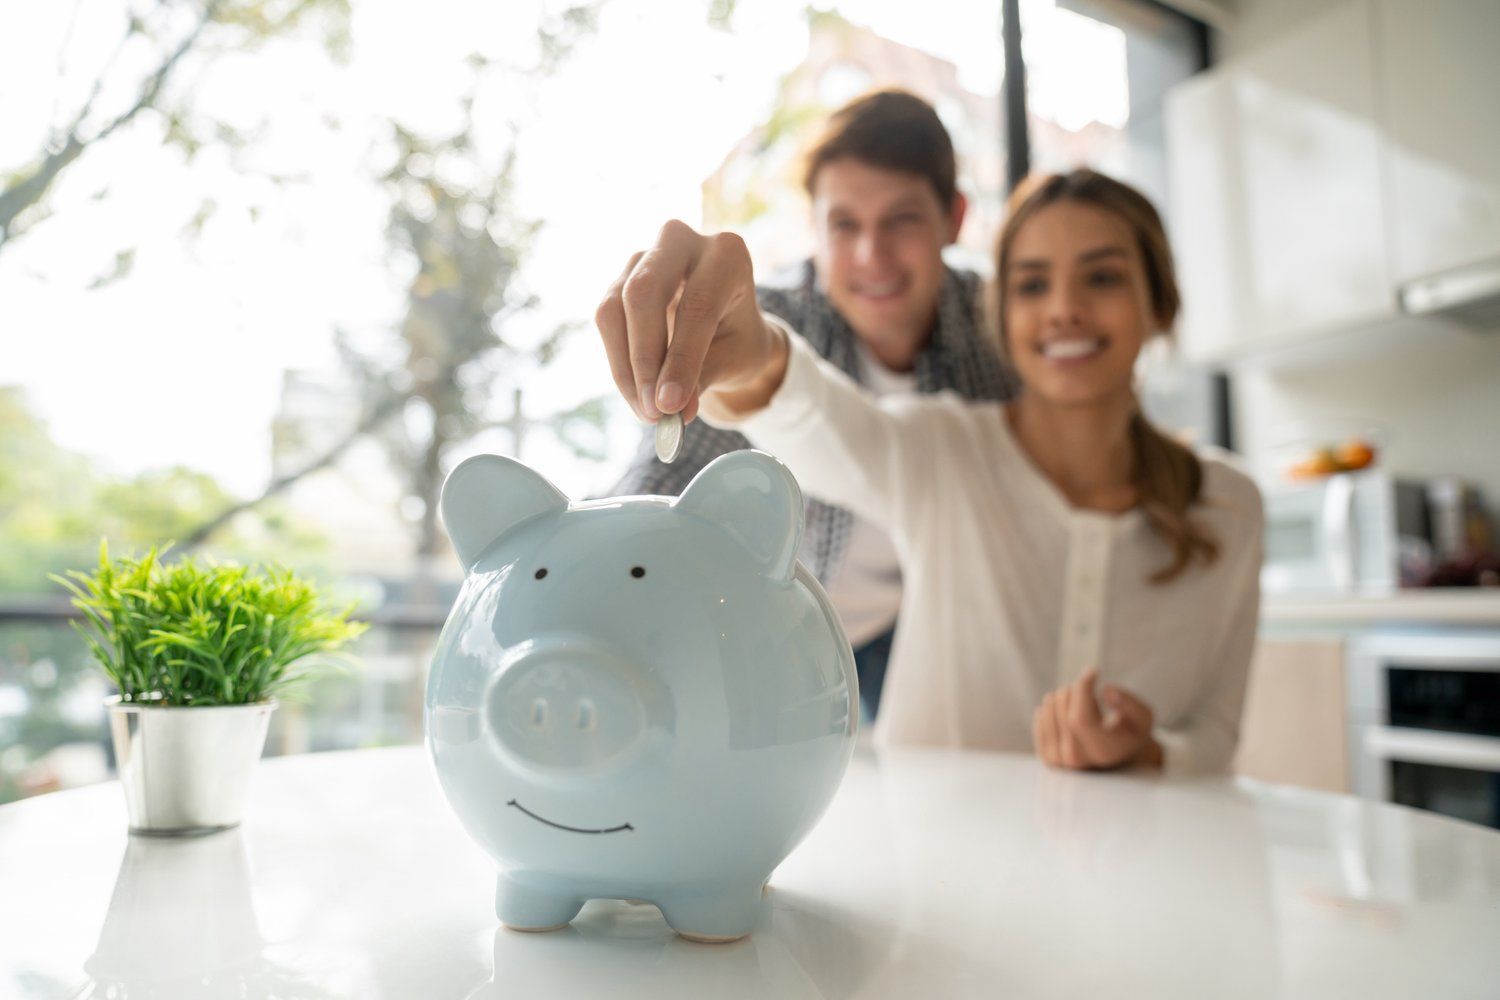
932	875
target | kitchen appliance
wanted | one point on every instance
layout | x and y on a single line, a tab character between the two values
1347	532
1424	721
1470	295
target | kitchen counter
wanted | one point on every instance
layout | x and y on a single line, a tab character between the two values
933	874
1477	606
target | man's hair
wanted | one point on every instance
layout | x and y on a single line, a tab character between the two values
891	129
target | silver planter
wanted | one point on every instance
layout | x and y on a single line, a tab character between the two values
186	771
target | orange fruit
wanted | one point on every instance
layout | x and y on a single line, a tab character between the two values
1354	454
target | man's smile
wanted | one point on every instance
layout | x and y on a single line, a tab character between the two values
573	829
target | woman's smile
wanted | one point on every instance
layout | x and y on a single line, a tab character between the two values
1072	349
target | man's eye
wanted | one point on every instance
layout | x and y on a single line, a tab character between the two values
844	226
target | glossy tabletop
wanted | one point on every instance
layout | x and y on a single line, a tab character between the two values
933	874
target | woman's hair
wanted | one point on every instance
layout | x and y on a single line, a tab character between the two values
891	129
1167	476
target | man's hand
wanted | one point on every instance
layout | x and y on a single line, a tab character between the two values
1070	731
681	326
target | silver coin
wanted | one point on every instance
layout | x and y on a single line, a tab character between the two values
669	437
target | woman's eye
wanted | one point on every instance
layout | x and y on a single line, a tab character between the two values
1105	279
1031	286
844	226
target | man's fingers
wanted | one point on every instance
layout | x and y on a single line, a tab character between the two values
710	291
610	319
647	296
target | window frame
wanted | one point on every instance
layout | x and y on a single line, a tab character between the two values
1016	130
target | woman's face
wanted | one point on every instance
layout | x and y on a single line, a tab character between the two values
1077	305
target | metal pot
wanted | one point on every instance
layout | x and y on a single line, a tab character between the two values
186	771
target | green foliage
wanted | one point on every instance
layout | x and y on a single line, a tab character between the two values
193	633
721	14
163	42
54	504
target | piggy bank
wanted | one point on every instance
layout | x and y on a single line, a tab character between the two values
642	698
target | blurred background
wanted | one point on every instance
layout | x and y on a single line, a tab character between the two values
270	268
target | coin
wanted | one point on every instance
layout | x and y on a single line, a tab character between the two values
669	437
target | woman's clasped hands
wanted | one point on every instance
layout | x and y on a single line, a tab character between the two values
1071	730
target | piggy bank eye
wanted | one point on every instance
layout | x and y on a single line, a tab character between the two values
637	571
539	714
585	719
541	573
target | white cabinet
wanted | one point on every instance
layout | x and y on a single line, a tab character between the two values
1439	66
1277	196
1207	213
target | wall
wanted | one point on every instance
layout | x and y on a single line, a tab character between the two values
1431	391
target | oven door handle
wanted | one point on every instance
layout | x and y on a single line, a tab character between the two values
1418	746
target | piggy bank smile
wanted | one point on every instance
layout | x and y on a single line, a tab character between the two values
656	663
560	826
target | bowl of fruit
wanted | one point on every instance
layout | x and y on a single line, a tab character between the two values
1335	450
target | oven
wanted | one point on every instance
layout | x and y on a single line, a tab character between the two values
1424	721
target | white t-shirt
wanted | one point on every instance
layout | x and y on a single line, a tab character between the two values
866	588
1009	592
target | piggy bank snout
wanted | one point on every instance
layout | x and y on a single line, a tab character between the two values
569	710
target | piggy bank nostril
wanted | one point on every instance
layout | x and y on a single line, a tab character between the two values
572	710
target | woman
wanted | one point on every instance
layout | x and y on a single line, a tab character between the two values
1045	543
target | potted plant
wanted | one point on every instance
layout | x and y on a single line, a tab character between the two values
199	652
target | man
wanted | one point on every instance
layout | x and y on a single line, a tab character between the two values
877	300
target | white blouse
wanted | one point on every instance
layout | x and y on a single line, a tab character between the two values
1009	591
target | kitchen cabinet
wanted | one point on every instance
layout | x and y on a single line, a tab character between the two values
1277	193
1294	727
1440	87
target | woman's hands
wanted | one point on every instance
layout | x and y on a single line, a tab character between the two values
1070	731
681	326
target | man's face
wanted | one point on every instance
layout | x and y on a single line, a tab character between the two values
880	235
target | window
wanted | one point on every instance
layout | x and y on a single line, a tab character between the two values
1096	75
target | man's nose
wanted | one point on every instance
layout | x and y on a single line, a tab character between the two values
868	247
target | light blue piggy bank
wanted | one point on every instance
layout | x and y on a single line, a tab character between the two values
638	698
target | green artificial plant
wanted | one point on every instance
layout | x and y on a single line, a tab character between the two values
199	634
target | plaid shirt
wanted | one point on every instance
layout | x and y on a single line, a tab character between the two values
957	357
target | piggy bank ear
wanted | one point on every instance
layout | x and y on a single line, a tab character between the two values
487	495
754	498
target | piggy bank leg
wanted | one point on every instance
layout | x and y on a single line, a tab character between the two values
714	915
525	906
